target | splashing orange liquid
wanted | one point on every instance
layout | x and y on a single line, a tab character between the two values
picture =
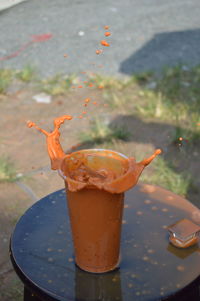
82	171
54	148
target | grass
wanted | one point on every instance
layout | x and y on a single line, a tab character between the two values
14	291
58	84
115	99
173	97
55	85
184	135
142	78
100	132
7	171
6	77
27	74
109	83
165	176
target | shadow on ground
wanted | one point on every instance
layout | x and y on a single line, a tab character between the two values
164	49
179	158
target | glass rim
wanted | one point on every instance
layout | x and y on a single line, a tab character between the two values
88	150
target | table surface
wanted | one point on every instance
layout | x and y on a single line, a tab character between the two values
150	268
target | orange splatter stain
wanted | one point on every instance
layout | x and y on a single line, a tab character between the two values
107	34
84	112
90	85
99	51
80	86
106	27
104	43
100	87
94	103
87	100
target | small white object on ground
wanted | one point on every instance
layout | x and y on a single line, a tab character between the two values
19	175
42	98
81	33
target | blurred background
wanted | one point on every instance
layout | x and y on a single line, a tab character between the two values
144	90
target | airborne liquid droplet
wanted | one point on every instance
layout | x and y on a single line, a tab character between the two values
107	33
104	43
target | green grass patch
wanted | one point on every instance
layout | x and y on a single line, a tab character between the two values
58	84
12	290
100	132
183	136
27	74
181	83
142	78
7	171
115	99
175	98
6	78
164	175
109	82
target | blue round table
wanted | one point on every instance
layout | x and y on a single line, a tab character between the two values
150	267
